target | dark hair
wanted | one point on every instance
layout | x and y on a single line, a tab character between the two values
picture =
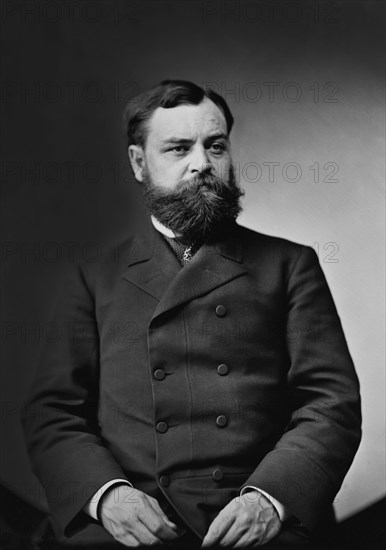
167	94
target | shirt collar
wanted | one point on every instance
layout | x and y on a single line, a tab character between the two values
163	229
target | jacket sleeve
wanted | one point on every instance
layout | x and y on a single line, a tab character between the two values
60	420
306	468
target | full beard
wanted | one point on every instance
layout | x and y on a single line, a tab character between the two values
200	209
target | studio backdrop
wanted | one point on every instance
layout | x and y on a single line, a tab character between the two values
305	83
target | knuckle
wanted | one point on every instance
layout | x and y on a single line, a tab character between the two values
244	515
120	533
157	528
142	502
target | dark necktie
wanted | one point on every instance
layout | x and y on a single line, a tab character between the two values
184	252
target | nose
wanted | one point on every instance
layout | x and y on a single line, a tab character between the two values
199	161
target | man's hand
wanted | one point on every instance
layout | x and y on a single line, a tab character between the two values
134	518
248	520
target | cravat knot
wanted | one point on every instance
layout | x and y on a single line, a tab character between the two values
183	250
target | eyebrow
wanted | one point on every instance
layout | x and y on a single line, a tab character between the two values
176	140
218	135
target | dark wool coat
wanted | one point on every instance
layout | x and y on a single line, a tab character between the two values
194	382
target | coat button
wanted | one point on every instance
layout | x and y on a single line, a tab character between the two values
159	374
217	474
162	427
221	420
220	311
222	369
164	481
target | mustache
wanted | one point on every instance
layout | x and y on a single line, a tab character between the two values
196	207
198	185
209	180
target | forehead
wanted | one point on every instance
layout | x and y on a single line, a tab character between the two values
186	121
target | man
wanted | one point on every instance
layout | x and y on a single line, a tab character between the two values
206	394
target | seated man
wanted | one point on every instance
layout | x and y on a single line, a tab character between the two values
205	393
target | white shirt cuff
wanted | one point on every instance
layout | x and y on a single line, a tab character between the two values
92	504
282	511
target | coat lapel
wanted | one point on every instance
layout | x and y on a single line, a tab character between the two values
151	264
154	268
212	266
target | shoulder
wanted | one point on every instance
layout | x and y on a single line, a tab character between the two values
257	245
278	259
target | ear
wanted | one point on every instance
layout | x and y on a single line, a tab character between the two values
137	161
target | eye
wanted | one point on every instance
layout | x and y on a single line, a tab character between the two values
217	147
178	149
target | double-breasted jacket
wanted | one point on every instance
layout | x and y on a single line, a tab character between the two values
193	382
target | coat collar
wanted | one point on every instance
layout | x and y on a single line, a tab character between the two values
152	266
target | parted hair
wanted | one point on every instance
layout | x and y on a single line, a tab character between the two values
167	94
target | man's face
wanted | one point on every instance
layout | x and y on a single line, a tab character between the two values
186	169
185	141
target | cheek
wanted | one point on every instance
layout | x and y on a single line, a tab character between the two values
221	167
166	174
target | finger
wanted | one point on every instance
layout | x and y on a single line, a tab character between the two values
144	535
219	527
248	539
156	524
127	540
160	530
157	508
233	535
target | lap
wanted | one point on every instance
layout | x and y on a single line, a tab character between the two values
293	536
288	539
